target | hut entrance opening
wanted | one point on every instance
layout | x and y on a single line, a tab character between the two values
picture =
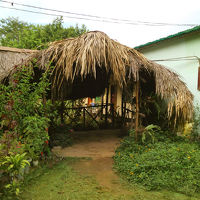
91	101
100	112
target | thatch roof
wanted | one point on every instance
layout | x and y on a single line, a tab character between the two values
83	66
10	57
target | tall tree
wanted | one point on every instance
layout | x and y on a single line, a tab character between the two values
20	34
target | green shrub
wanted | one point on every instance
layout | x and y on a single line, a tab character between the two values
195	133
61	135
24	121
13	167
172	164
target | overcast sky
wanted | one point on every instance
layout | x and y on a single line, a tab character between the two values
157	11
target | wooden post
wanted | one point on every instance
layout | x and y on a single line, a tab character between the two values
132	109
84	124
122	105
124	112
132	115
113	115
122	108
137	110
62	112
106	117
102	106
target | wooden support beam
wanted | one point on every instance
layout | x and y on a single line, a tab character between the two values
132	115
84	122
102	102
62	112
124	111
106	117
137	110
132	109
113	114
122	105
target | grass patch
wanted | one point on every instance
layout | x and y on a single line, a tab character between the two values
172	164
60	182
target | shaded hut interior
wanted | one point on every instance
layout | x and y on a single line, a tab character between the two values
80	87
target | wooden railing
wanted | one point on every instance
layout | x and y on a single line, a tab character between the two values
102	115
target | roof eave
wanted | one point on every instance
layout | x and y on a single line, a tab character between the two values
16	50
174	36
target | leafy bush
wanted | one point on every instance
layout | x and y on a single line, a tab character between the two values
172	164
195	133
13	166
24	121
149	134
61	136
24	118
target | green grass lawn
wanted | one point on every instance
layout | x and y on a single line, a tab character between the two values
61	182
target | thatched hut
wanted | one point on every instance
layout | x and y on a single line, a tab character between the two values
86	65
10	57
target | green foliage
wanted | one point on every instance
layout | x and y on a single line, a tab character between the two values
61	135
172	164
15	33
35	135
149	135
150	132
24	117
12	166
12	189
24	121
60	181
14	163
195	134
153	107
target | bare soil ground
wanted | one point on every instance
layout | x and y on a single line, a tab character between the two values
99	145
93	144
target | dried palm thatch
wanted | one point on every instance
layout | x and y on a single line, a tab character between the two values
94	58
10	57
174	91
87	56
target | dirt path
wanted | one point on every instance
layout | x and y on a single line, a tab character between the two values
93	144
102	170
100	147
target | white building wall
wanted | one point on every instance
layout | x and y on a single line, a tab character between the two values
179	47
